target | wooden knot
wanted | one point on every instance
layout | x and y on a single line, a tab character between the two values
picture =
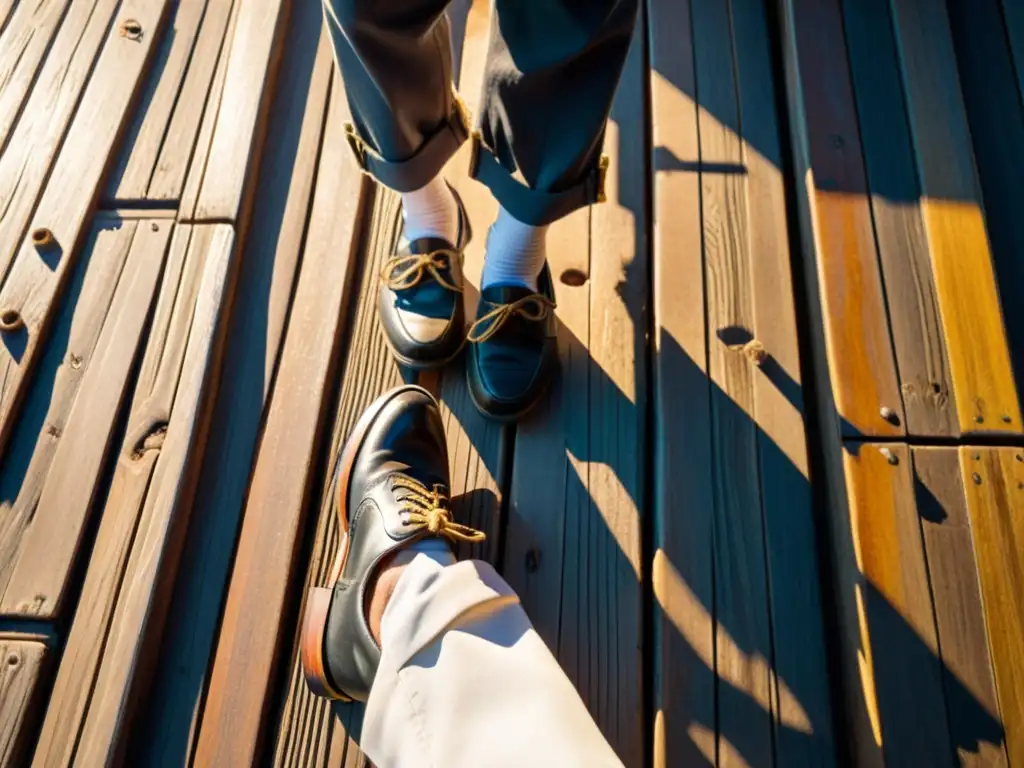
11	321
42	237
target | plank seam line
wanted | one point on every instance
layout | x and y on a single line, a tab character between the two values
972	441
28	629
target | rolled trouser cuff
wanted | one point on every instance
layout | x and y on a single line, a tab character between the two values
531	206
416	171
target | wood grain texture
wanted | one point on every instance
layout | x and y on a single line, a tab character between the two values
24	43
37	279
233	728
35	140
979	359
928	395
995	500
148	417
971	702
49	549
159	144
900	668
67	358
271	256
22	670
996	118
802	712
249	80
834	203
683	498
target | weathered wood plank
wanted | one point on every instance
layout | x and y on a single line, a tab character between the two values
996	118
995	499
266	286
67	358
22	667
50	544
159	144
35	140
979	359
233	728
802	711
24	43
833	202
37	278
683	498
960	619
311	730
900	668
926	386
134	560
249	81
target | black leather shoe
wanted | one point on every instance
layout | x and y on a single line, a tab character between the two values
420	299
390	489
513	351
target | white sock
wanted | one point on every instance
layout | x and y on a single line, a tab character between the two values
515	253
431	211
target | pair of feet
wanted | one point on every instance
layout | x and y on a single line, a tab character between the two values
390	492
512	340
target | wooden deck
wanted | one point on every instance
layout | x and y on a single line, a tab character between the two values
771	514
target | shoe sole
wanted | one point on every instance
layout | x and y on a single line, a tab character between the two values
318	601
510	419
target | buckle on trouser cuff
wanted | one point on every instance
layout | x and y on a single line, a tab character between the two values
531	206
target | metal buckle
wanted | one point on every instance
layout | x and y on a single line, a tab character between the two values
602	177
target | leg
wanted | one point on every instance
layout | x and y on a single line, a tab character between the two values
465	680
549	82
396	59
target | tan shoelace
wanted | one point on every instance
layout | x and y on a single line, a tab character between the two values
534	308
408	270
429	508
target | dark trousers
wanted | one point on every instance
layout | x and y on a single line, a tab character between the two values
550	75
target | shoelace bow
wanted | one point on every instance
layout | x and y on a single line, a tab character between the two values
429	508
534	308
408	270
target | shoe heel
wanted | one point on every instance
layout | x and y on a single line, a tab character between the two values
314	629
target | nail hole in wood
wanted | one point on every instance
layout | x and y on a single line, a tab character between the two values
1007	419
979	419
977	457
889	415
42	237
976	478
13	660
574	277
891	457
131	28
155	227
936	387
10	321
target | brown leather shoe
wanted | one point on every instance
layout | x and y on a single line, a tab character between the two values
420	299
390	489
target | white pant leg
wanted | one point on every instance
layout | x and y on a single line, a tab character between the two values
465	680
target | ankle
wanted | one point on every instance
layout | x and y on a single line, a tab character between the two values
431	211
515	253
382	587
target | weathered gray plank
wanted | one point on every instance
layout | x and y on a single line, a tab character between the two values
22	668
67	357
233	727
237	138
37	278
971	701
49	547
266	286
157	150
24	43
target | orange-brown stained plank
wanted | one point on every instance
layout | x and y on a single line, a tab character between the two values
50	546
49	403
22	669
271	256
24	42
256	45
134	529
683	498
29	146
979	359
995	503
832	198
802	712
37	279
971	701
899	666
157	149
921	356
234	727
